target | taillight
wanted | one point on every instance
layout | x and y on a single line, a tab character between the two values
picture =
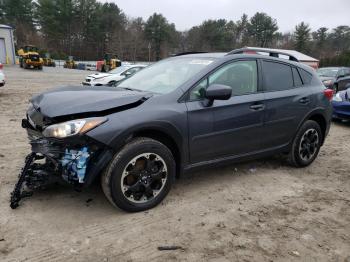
328	93
1	66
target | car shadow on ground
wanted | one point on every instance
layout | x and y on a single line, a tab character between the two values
345	123
93	197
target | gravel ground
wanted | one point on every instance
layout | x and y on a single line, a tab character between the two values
255	211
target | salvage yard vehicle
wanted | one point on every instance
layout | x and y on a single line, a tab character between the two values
48	61
341	104
91	67
113	76
29	57
335	78
2	75
70	63
110	62
184	112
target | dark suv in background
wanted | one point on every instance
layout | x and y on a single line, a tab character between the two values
336	78
184	112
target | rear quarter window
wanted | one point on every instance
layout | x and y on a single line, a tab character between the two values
277	76
306	76
297	78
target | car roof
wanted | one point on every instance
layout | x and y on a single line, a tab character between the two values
333	67
134	65
227	56
204	55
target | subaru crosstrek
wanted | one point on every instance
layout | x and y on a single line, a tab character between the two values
181	113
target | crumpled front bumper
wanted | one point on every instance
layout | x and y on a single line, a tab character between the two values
78	160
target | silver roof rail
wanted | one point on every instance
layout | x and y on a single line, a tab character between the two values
271	52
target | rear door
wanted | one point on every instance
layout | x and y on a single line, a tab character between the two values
287	102
228	127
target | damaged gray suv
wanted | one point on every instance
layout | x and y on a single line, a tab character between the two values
184	112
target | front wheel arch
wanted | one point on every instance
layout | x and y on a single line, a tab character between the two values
163	132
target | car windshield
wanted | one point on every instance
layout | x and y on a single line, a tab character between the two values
119	70
328	72
167	75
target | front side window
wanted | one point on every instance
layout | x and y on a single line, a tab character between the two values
277	76
241	76
131	71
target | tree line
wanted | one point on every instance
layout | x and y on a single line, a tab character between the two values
87	29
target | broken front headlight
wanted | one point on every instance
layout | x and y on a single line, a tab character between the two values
73	127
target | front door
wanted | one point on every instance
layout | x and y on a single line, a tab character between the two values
228	127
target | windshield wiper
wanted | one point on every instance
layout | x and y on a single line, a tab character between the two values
129	88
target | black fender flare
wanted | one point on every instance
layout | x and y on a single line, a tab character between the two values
316	111
164	127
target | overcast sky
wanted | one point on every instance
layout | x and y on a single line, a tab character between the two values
187	13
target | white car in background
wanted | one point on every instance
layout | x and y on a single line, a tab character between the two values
2	76
90	67
113	76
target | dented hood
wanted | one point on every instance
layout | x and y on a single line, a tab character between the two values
67	101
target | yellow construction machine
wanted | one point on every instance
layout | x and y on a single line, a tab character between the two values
29	57
110	62
70	63
48	61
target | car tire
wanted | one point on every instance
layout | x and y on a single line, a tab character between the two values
132	158
306	144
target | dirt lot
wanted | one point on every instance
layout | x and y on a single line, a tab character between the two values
256	211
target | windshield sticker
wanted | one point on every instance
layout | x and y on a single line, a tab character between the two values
200	62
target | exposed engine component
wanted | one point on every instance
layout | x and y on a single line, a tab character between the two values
74	165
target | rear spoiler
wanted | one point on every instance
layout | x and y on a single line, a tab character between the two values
254	50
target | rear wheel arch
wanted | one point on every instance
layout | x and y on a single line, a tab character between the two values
321	121
318	116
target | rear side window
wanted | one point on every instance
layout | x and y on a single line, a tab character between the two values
277	76
296	77
306	76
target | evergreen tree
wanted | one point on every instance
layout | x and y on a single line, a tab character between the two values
302	37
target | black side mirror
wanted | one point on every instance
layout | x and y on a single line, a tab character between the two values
217	92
